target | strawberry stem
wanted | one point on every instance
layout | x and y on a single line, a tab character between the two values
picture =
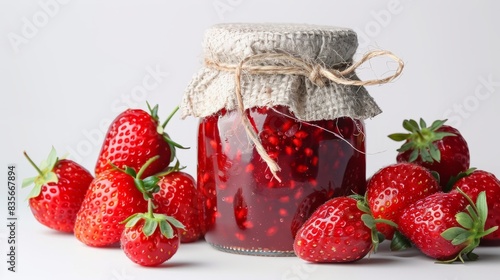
170	117
469	200
33	164
146	165
150	209
175	168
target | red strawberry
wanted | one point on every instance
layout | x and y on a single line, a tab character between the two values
338	231
59	191
113	196
178	197
472	182
446	226
307	206
149	239
394	187
440	148
133	138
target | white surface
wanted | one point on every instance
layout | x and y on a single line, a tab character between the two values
63	257
85	60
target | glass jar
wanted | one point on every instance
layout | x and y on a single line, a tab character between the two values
281	129
246	209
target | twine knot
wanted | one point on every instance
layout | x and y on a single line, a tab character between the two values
315	76
287	64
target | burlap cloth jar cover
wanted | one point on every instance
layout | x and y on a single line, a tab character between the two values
331	47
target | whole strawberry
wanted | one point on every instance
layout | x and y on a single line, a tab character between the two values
439	147
473	182
393	188
150	239
58	193
338	231
113	195
446	226
178	197
134	137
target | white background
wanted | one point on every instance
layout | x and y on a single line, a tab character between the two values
69	67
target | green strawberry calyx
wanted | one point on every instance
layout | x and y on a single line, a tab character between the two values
152	221
472	227
45	173
399	242
454	179
370	222
147	186
420	139
153	111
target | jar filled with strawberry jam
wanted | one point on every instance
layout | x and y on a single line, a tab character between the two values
277	135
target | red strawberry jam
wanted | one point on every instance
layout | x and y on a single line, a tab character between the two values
246	209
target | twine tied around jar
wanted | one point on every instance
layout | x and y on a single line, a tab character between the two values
292	65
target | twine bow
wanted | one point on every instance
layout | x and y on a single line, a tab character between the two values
291	65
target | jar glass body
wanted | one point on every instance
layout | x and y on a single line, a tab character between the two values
245	209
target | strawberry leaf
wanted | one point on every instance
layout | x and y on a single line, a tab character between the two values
155	189
413	156
422	123
405	147
130	171
464	220
50	177
139	185
399	242
461	238
424	153
49	163
399	136
357	197
132	220
387	222
28	181
437	124
166	229
150	226
361	204
153	111
410	125
150	183
482	207
435	153
457	177
35	191
174	222
472	212
441	135
488	231
173	143
471	256
368	220
452	233
435	175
